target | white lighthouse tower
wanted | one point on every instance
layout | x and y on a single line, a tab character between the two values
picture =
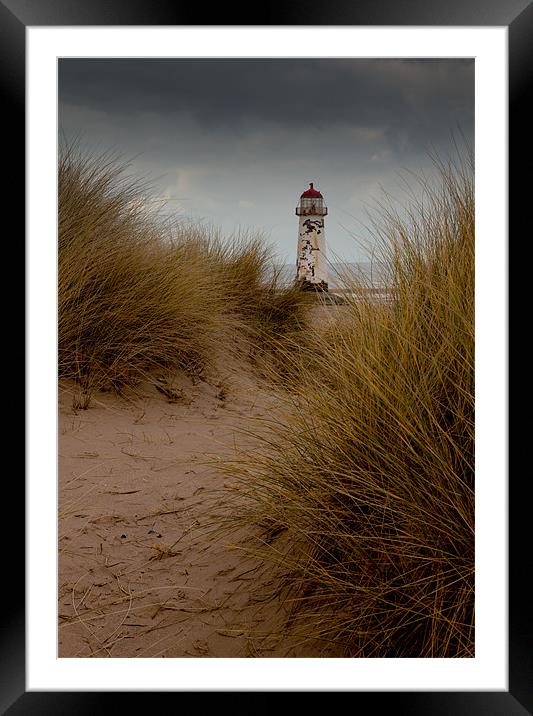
311	269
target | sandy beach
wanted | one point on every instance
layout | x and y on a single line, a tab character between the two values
254	469
141	573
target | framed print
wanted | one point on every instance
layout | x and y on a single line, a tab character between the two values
40	42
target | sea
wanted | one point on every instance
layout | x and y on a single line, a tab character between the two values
371	274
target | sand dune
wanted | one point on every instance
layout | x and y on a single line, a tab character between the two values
140	572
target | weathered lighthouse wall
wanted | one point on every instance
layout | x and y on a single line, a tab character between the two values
312	250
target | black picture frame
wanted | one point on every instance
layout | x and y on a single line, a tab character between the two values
517	15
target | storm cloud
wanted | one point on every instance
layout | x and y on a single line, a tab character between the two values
235	141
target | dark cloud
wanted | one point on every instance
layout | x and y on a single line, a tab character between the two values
236	140
390	94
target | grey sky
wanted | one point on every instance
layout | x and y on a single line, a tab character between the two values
234	142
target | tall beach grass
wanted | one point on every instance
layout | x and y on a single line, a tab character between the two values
138	293
364	483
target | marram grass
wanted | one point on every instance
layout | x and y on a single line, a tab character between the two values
369	469
139	295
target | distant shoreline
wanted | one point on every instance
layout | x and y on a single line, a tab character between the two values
371	273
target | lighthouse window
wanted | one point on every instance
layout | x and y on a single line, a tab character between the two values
311	203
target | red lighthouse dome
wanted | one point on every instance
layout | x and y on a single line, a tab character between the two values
311	203
311	193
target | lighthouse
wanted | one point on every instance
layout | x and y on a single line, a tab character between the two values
311	269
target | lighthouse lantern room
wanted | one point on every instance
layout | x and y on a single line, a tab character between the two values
311	269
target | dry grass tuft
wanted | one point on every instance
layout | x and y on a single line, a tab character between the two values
371	467
139	295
